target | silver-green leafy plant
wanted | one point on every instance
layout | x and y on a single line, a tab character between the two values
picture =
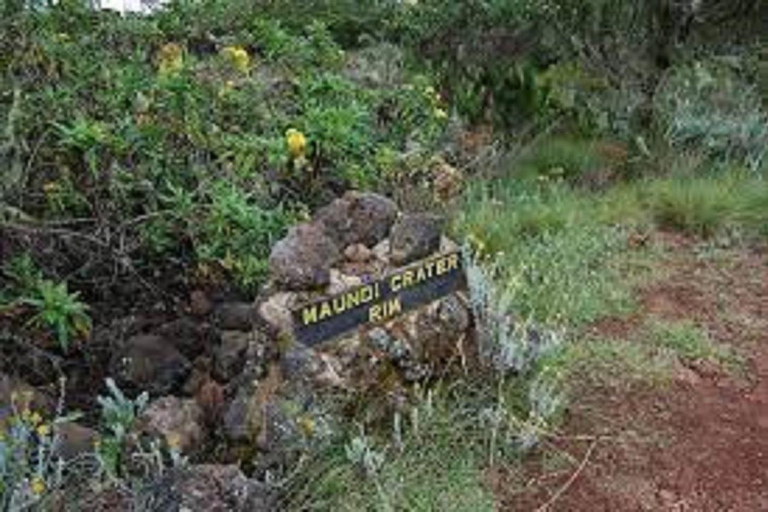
118	412
361	453
707	108
30	465
367	460
511	345
505	428
507	343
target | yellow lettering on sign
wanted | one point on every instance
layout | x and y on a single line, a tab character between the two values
339	305
325	311
309	315
453	262
407	278
353	299
366	294
441	269
430	266
374	314
393	308
371	293
385	310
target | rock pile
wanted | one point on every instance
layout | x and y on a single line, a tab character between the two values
358	239
354	240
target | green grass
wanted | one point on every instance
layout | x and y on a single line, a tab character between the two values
561	158
438	466
691	343
617	364
565	251
647	358
560	260
707	205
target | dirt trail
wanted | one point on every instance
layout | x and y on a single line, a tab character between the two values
700	444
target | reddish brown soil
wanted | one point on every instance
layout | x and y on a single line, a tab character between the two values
699	444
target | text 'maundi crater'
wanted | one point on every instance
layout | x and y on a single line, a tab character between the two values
379	300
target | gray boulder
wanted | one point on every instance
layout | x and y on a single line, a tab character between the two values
189	336
229	357
358	218
74	439
415	236
150	363
235	316
303	259
23	397
275	311
199	303
178	421
211	488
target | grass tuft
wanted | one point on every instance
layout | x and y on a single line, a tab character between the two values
691	343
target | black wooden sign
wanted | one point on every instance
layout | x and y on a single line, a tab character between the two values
380	300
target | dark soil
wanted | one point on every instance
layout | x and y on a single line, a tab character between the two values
699	444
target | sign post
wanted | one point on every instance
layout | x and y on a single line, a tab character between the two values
380	300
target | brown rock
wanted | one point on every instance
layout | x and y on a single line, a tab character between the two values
358	253
214	488
23	396
199	304
178	421
188	335
112	499
74	439
358	218
381	251
341	282
235	316
276	311
150	363
228	356
415	236
303	259
210	397
244	418
201	372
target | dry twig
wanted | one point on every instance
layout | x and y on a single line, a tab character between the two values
570	481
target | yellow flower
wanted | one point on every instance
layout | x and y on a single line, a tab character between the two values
307	426
35	418
170	59
476	243
238	57
174	440
43	430
38	485
297	143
